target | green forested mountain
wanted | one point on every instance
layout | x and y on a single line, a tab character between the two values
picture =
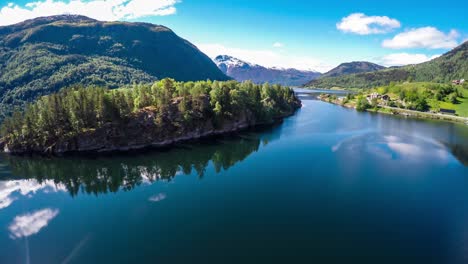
43	55
352	67
99	119
450	66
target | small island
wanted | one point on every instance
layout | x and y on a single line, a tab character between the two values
95	119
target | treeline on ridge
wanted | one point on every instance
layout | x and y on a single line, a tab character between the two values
453	65
73	111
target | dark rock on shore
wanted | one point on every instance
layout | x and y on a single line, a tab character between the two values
145	129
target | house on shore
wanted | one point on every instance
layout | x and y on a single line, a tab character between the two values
372	96
385	99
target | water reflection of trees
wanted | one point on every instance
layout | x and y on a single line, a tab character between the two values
110	174
460	152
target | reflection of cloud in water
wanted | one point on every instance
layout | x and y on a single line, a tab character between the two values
6	201
405	149
338	145
409	150
157	198
394	147
8	189
31	223
355	135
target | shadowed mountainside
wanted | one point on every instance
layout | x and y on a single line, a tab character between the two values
43	55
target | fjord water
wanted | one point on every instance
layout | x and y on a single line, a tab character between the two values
328	185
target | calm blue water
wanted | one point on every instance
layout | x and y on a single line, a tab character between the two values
329	185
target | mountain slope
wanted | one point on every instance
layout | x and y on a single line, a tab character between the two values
42	55
450	66
353	67
242	71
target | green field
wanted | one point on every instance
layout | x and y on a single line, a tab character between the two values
461	107
428	90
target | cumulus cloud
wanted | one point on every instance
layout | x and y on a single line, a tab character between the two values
359	23
157	198
107	10
266	57
31	223
425	37
409	150
278	45
10	190
6	201
400	59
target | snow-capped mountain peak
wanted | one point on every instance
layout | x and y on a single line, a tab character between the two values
230	61
242	71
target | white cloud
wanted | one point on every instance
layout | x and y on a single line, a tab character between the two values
278	45
267	58
31	223
157	198
409	150
9	190
6	201
425	37
107	10
400	59
361	24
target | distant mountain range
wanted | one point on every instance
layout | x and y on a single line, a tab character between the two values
242	71
452	65
43	55
352	67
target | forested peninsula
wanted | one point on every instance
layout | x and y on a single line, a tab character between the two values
95	119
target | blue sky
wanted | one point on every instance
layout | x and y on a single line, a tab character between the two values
297	33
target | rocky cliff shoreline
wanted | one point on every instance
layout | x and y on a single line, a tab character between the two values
142	132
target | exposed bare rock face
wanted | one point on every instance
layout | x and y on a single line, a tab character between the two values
148	128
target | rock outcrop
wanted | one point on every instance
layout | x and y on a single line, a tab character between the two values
145	129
